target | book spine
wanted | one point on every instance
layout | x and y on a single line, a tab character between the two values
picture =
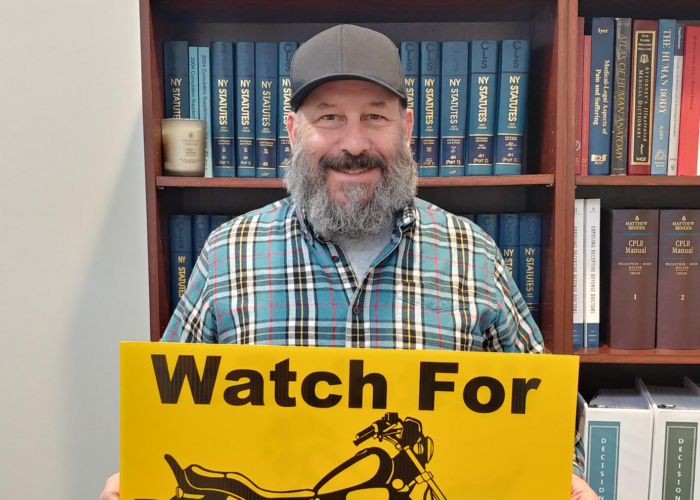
591	274
266	109
509	242
620	128
481	109
245	109
602	53
222	95
284	148
512	107
429	148
180	255
194	82
679	459
675	120
177	80
633	239
470	217
215	221
679	280
453	128
662	107
530	265
489	223
603	457
410	62
585	115
642	96
690	104
578	308
204	55
579	92
200	233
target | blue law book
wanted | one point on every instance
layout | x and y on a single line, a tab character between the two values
410	62
509	242
512	107
205	106
180	255
215	221
429	142
600	109
245	109
471	217
177	79
193	62
200	233
223	99
266	109
530	250
662	103
453	128
482	107
284	148
489	223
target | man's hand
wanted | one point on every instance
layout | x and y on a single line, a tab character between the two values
579	490
111	491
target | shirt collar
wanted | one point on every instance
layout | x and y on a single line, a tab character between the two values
404	220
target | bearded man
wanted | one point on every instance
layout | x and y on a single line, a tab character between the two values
352	258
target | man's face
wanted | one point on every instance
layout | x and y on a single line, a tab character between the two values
347	119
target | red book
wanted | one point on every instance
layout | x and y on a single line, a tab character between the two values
690	104
579	94
642	94
585	103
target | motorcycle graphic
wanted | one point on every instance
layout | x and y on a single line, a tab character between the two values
401	477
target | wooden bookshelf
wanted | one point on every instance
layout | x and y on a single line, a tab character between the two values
548	185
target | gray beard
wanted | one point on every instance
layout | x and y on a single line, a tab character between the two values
365	213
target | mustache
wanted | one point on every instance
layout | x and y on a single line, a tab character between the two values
348	161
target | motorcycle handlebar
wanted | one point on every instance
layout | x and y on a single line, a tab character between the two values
364	435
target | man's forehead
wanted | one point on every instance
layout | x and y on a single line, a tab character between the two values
356	92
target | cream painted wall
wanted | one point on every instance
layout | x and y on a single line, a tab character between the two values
72	239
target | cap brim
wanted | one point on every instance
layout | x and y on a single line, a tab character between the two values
302	93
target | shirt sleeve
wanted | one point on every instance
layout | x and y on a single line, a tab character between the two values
579	452
514	329
192	320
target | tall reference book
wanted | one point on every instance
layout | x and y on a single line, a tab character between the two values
678	321
631	254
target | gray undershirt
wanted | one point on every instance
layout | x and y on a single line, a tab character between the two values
362	252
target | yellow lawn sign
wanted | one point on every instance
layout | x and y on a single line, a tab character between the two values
214	422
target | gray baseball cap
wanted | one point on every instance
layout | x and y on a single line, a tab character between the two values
346	52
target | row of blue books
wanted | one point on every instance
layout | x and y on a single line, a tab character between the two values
519	237
469	100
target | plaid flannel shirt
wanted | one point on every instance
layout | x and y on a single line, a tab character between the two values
440	283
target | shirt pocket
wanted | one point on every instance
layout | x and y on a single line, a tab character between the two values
428	296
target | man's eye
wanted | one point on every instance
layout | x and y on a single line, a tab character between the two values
376	117
328	117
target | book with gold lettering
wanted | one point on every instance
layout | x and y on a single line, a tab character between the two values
662	104
601	91
642	94
410	62
453	129
509	242
631	255
621	97
679	280
512	107
429	111
266	83
245	109
177	79
180	255
284	148
482	107
530	266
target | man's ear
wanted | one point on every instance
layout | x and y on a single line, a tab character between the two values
292	119
408	125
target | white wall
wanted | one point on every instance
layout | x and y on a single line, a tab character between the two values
72	239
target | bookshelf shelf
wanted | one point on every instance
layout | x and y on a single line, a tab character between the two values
605	354
636	180
506	180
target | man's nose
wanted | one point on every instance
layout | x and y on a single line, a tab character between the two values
354	139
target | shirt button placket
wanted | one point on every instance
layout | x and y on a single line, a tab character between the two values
356	310
335	259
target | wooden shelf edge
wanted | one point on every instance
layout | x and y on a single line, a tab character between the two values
637	180
605	354
237	182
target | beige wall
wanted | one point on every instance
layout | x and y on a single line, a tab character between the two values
72	239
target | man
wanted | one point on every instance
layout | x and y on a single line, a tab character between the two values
352	258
